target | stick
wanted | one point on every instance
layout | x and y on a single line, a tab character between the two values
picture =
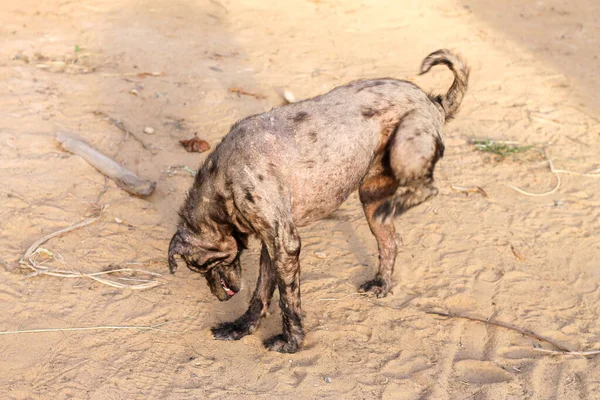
568	353
136	74
104	189
505	325
241	91
465	189
123	177
18	196
119	124
341	298
583	111
541	117
518	255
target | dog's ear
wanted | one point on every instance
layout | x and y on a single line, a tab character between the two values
202	248
178	246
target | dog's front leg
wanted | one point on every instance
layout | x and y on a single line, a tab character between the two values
286	252
259	304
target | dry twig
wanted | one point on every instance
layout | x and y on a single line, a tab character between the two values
123	177
505	325
18	196
340	298
568	353
136	74
241	91
104	189
517	254
465	189
121	125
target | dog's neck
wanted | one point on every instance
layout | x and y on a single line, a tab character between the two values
201	207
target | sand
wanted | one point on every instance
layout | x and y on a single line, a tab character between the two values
534	67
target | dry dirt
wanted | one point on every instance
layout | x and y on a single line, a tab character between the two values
534	67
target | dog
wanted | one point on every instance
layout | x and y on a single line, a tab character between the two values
296	164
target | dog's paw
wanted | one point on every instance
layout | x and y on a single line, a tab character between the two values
377	286
278	343
231	331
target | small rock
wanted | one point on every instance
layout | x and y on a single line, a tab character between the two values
134	92
327	379
321	254
289	96
118	220
149	130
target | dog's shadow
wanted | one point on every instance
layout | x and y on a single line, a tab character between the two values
356	247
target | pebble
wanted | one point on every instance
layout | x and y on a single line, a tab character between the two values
149	130
327	379
321	254
289	96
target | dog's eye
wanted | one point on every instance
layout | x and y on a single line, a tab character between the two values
203	268
214	261
195	266
210	264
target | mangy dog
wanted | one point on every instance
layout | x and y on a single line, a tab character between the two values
296	164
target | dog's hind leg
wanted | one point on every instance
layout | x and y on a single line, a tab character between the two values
402	179
259	304
377	189
413	152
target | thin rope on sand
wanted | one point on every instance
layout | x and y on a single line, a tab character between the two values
90	328
556	172
30	262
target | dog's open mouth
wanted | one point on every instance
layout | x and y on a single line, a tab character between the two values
227	290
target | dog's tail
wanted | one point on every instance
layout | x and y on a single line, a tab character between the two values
450	102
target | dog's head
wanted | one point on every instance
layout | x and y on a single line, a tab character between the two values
214	255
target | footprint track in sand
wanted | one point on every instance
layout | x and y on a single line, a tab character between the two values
480	372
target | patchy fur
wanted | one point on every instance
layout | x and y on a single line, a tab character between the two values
296	164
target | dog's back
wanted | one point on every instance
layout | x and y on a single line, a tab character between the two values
322	148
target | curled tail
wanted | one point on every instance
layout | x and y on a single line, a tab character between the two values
450	102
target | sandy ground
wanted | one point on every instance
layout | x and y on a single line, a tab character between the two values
534	67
